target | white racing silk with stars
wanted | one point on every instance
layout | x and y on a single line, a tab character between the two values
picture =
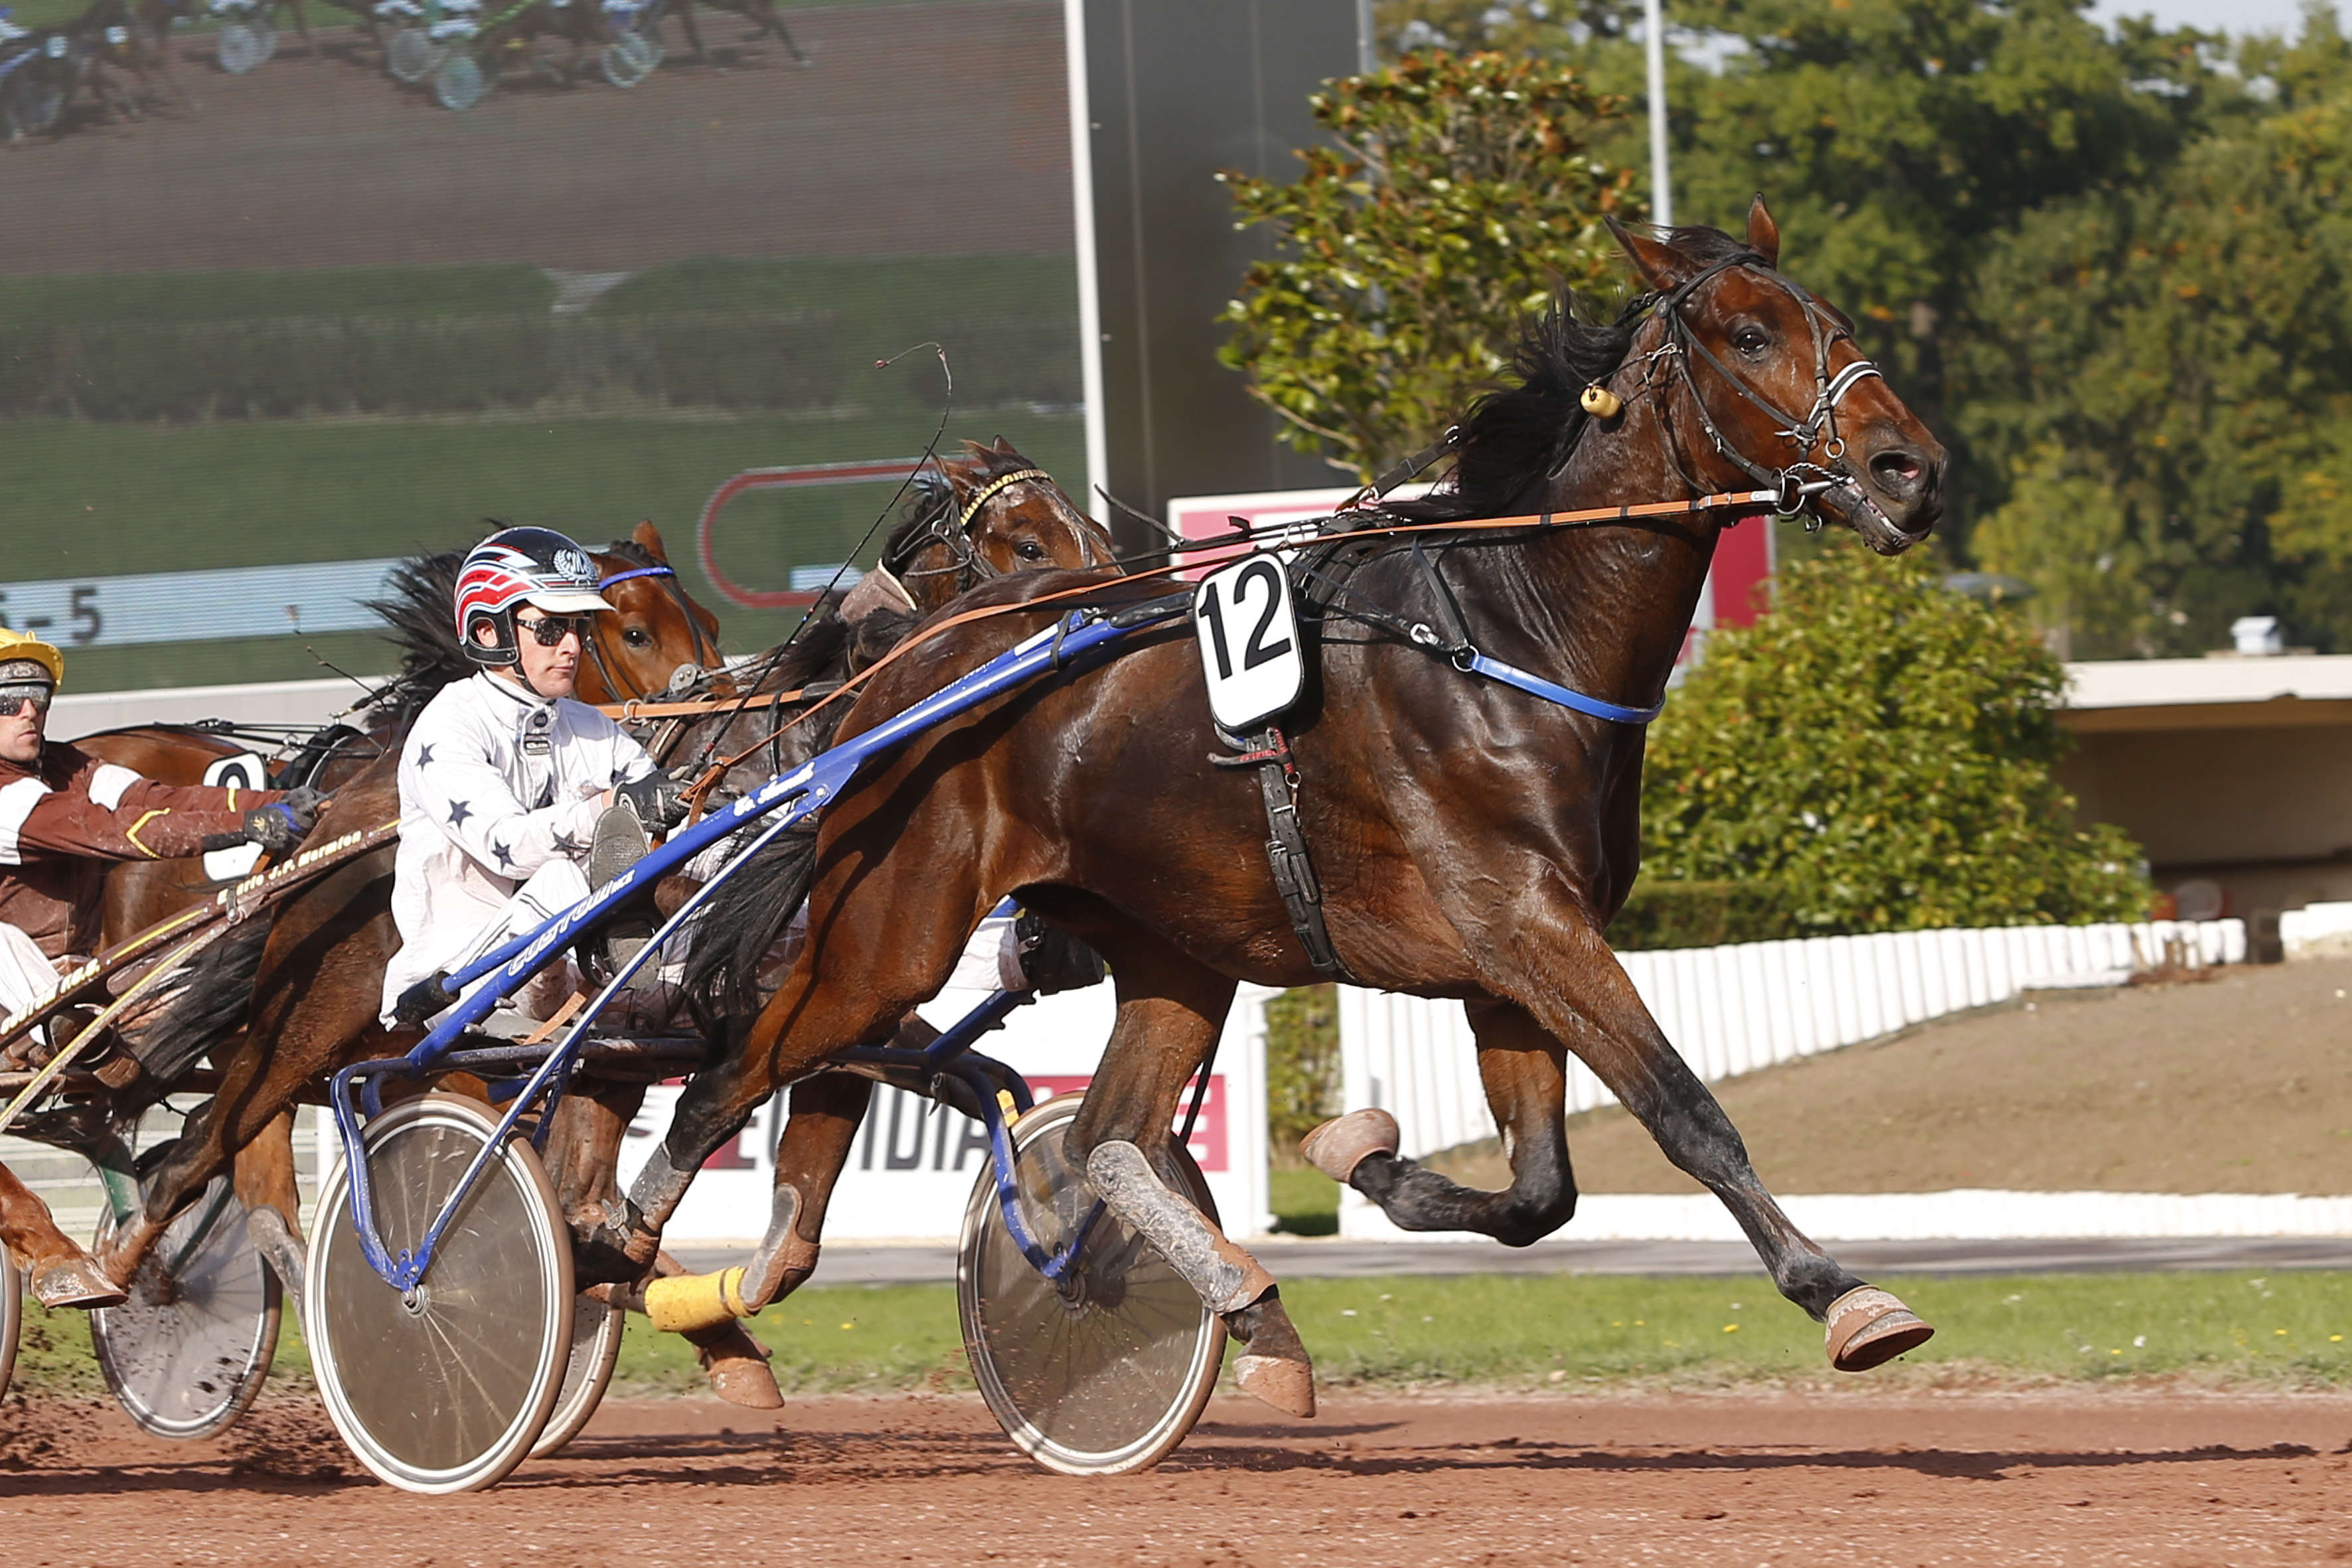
495	782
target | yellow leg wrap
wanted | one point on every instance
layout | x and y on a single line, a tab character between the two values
692	1301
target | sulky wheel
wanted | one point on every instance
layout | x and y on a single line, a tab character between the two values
188	1354
1106	1373
596	1330
12	1314
412	56
461	83
265	34
238	48
445	1386
626	61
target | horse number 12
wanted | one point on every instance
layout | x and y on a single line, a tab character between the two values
1248	601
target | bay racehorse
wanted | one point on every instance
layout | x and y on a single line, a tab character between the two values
1472	838
307	997
634	653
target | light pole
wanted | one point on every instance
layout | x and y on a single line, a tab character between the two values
1661	189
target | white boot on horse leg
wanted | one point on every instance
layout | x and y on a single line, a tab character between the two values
1274	1366
1341	1144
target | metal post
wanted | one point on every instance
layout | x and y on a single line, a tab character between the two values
1367	52
1662	188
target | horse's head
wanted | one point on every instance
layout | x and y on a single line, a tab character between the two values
1772	390
988	513
657	630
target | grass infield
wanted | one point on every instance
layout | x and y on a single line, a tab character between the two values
2284	1331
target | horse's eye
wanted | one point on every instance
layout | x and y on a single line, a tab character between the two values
637	637
1750	340
1030	550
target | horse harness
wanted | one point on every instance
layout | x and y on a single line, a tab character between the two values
971	566
1268	749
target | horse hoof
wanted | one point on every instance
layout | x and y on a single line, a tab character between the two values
1869	1326
1287	1385
77	1283
737	1366
1340	1145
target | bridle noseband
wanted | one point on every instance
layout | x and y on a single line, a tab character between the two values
1794	482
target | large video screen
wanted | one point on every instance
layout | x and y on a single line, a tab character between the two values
276	313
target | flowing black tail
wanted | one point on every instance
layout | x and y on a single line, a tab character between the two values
209	1008
740	927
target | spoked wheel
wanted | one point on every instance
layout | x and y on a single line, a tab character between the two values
412	56
12	1313
461	83
266	36
596	1331
445	1387
36	101
1104	1373
238	48
626	61
188	1354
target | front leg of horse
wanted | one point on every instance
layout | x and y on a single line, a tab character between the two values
1169	1014
59	1273
1576	988
1523	1071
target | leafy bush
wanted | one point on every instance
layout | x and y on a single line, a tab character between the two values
1302	1066
1881	752
1461	196
1664	913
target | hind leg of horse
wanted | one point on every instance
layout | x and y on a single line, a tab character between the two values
1576	988
693	35
776	26
59	1273
265	1181
1170	1011
1525	1074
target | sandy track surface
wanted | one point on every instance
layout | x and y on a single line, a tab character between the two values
2242	1084
1858	1478
919	129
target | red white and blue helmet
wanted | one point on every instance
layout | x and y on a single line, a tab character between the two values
518	566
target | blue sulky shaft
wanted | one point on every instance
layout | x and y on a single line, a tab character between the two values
795	796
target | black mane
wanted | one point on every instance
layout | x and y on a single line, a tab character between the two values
1515	438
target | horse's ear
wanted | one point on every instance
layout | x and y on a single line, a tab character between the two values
1003	446
649	539
1660	264
1763	234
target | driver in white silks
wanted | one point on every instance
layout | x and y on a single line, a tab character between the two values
504	780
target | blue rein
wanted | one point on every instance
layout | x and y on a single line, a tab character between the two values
1472	661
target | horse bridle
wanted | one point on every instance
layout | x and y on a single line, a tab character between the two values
705	651
971	566
1793	482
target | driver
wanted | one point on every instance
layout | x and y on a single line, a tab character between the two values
504	777
64	816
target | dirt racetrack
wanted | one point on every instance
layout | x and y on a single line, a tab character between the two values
918	130
1860	1478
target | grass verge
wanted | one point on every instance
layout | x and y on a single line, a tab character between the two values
1536	1332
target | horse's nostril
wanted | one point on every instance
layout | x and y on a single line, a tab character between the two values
1899	471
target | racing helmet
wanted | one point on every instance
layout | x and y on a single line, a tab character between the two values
25	659
518	566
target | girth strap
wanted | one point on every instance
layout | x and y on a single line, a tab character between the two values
1285	845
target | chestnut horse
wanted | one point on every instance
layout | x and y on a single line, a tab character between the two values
657	630
1472	839
311	1004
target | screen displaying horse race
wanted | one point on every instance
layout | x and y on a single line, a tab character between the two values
291	292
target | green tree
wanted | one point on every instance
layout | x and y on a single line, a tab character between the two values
1881	751
1461	192
2159	388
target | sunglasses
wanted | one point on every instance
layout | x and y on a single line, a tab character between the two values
16	700
548	631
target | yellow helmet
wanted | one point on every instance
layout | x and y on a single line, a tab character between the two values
17	645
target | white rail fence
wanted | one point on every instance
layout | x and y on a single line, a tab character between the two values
1732	1010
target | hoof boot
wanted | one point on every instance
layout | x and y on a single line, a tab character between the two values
1287	1385
1339	1146
1869	1326
77	1283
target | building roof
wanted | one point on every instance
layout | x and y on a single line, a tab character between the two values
2218	692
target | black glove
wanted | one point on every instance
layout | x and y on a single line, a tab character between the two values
658	800
282	826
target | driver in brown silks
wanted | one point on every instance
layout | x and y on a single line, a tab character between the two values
64	816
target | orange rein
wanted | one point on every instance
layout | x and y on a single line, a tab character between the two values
1631	511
